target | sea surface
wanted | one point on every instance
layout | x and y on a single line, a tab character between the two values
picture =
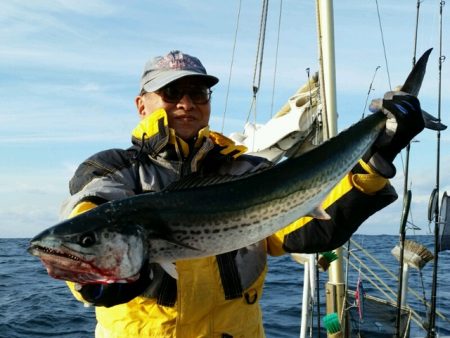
34	305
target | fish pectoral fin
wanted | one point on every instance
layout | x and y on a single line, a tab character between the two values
178	243
170	268
319	213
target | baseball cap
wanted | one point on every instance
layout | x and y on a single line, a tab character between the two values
163	70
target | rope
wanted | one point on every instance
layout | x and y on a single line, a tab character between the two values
231	65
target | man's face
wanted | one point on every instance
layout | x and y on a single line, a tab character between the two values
184	102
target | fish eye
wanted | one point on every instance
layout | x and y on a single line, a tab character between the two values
86	240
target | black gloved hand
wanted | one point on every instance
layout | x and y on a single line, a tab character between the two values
404	121
108	295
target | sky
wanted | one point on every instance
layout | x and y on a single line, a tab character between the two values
69	73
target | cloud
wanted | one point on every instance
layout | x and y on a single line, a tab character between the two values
19	223
30	201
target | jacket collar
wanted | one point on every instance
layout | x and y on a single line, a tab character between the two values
152	134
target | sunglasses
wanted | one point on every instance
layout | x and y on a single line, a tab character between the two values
173	94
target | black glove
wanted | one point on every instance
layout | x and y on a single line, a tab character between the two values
404	121
108	295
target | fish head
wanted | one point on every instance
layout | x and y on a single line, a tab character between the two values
94	255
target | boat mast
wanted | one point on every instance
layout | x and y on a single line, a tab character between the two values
335	285
327	65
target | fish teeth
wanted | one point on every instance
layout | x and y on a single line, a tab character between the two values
57	253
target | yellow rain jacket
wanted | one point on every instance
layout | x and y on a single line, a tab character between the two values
214	296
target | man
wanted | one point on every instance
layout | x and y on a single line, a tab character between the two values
213	296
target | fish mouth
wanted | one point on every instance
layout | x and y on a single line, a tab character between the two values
66	266
42	251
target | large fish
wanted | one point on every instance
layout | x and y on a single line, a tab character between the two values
112	242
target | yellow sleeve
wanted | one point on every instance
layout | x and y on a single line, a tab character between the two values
79	209
369	182
82	207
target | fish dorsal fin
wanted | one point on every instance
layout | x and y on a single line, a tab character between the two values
198	180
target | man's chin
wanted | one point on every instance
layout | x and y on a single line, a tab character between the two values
186	131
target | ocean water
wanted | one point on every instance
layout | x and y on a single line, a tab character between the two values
34	305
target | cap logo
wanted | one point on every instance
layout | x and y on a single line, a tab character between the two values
179	61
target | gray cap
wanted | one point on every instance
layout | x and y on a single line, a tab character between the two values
162	70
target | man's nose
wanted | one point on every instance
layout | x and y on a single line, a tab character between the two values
186	102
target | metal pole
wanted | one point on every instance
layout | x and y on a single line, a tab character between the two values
305	301
406	205
432	318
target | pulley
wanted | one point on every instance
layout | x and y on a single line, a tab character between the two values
432	204
444	226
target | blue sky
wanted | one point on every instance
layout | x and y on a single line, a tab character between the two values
70	70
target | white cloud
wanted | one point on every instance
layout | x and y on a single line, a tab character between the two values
30	199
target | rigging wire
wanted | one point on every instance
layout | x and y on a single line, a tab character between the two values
416	31
259	58
231	65
276	57
384	46
260	48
